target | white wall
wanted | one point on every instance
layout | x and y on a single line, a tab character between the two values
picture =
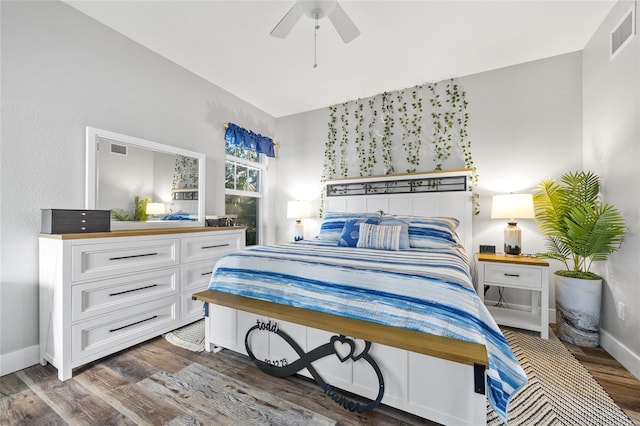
62	71
525	126
302	140
612	150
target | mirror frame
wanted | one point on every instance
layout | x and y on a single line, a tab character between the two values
91	177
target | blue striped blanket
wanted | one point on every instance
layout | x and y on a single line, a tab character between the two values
428	290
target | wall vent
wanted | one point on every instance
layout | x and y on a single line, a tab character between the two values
623	33
118	149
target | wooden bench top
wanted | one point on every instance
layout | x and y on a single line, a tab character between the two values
414	341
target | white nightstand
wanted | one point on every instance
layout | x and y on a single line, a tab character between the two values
527	273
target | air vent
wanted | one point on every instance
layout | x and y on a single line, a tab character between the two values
118	149
623	33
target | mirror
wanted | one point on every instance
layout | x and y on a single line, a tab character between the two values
145	184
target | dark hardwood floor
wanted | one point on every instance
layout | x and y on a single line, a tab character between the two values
122	389
127	388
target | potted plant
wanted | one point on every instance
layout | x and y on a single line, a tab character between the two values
580	229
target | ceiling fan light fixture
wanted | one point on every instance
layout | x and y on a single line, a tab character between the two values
317	14
317	9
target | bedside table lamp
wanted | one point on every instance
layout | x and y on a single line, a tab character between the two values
512	207
155	209
298	210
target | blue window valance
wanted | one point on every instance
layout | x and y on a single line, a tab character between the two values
237	136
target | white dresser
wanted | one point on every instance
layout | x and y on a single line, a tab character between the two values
103	292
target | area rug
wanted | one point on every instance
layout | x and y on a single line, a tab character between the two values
189	337
560	390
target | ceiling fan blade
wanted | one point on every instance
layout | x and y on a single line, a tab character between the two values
288	21
344	25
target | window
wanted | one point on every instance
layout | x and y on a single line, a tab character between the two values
243	189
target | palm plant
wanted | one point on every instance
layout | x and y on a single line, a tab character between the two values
139	211
579	227
121	214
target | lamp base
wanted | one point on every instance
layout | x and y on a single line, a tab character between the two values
512	240
298	231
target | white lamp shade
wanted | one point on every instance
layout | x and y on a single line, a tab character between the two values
512	206
298	209
155	208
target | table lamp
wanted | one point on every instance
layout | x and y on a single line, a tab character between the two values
512	207
298	210
155	209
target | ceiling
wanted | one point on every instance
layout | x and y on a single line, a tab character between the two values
402	43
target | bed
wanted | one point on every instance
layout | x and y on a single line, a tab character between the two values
426	345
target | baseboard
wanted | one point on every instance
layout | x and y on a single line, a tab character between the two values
621	353
18	360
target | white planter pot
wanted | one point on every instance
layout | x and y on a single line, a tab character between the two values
578	310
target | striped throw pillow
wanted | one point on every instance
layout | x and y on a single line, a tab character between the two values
381	237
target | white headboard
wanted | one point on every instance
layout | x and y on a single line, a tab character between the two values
441	193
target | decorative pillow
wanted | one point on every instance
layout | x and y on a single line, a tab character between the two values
333	223
381	237
432	232
404	231
351	231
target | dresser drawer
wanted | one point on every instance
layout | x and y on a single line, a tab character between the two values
196	276
108	259
190	310
110	333
101	297
512	276
211	246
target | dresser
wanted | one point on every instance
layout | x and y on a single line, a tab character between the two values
520	272
103	292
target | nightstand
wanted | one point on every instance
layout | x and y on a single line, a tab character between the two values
522	272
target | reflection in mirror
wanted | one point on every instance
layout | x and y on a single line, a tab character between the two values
145	184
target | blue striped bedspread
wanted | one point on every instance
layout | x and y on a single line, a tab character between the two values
428	290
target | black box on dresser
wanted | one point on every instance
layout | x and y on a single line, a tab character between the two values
63	221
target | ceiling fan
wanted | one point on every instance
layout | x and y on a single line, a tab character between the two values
317	9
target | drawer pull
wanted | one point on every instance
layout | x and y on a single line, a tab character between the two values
137	322
511	275
135	289
215	246
133	255
206	273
